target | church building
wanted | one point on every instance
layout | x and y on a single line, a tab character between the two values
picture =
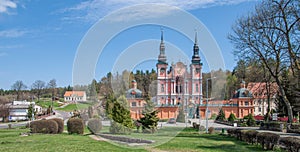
178	84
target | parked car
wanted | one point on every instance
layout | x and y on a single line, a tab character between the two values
171	121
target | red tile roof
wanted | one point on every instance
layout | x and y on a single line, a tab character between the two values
74	93
259	90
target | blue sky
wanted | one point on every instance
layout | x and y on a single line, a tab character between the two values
39	38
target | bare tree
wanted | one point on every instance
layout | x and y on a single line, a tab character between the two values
271	34
18	86
38	87
4	108
52	87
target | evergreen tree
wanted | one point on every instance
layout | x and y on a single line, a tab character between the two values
181	116
231	117
118	111
221	115
149	122
251	120
30	112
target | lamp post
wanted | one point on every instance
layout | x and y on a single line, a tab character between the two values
206	110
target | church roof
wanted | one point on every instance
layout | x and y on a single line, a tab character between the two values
134	93
243	93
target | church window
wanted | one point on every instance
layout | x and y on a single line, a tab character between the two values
133	104
197	88
162	88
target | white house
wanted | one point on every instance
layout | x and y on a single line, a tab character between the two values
260	95
75	96
18	110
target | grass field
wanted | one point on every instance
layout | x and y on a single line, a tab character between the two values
73	106
47	102
186	140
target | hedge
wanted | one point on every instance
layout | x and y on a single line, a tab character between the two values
274	126
75	125
293	128
60	124
292	144
250	136
268	140
265	139
44	126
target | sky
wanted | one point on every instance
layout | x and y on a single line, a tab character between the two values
40	39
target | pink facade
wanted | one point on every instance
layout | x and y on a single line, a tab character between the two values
179	83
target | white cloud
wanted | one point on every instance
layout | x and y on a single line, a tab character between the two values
93	10
12	33
6	4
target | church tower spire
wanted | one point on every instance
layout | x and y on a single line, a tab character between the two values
162	56
196	57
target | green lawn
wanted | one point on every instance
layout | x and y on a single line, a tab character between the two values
10	141
73	106
186	140
45	103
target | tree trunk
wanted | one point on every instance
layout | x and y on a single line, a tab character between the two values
285	101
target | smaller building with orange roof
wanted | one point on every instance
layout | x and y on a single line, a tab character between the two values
75	96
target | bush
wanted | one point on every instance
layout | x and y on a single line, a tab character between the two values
231	132
211	130
231	117
94	125
251	136
268	140
275	126
44	126
291	143
75	125
60	124
117	128
243	135
251	121
293	128
238	134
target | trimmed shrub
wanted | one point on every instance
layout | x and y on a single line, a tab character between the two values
211	130
293	128
275	126
75	125
238	134
251	136
60	124
94	125
292	144
44	126
268	140
231	132
243	135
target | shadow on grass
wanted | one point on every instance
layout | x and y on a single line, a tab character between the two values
227	147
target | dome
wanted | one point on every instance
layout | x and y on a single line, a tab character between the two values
133	93
243	93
